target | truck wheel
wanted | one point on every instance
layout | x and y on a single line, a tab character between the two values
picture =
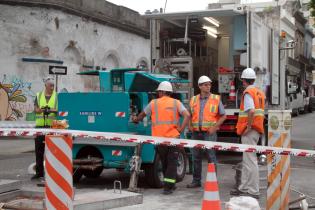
181	165
154	173
85	153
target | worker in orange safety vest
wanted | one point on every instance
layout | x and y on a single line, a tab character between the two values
165	115
207	115
250	126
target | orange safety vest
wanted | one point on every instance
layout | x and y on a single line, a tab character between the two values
210	113
258	121
165	117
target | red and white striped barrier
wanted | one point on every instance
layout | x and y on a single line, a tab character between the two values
100	137
58	172
120	114
63	114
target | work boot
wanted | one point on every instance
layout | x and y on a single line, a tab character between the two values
237	192
169	190
194	185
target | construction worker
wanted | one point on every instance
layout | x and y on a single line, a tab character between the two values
45	107
165	115
207	115
250	126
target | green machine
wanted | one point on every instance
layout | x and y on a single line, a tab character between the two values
123	93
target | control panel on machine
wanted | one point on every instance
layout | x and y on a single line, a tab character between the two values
225	82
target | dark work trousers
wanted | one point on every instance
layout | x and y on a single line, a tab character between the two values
39	153
169	158
198	154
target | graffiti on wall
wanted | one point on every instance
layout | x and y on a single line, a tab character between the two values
15	98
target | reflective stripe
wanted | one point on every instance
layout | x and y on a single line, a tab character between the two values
212	108
211	177
49	117
211	196
258	112
170	180
156	111
165	123
192	105
158	122
204	124
39	95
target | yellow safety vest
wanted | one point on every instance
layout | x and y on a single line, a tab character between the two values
52	104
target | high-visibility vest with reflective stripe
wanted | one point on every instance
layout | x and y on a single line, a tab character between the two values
258	121
210	112
41	102
165	117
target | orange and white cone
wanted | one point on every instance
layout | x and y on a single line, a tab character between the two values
232	95
211	197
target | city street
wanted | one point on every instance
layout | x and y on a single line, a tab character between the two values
17	154
122	76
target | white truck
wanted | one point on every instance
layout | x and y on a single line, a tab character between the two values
219	43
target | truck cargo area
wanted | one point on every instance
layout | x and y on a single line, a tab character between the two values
190	45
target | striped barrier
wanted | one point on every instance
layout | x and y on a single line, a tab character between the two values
58	172
105	137
211	197
279	136
63	114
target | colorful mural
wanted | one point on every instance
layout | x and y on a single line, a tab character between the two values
15	98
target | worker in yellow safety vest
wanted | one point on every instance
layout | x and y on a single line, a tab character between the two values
45	107
165	116
207	115
250	126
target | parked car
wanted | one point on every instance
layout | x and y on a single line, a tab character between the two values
297	103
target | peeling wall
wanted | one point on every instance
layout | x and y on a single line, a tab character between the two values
51	34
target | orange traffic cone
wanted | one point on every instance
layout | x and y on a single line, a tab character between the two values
211	198
232	96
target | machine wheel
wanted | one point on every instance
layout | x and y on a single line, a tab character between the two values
181	165
154	173
88	152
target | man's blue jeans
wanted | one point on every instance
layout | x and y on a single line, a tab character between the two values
198	154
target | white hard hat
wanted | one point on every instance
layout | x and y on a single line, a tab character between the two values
203	79
165	86
50	80
248	73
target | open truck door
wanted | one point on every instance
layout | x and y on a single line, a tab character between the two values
260	48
